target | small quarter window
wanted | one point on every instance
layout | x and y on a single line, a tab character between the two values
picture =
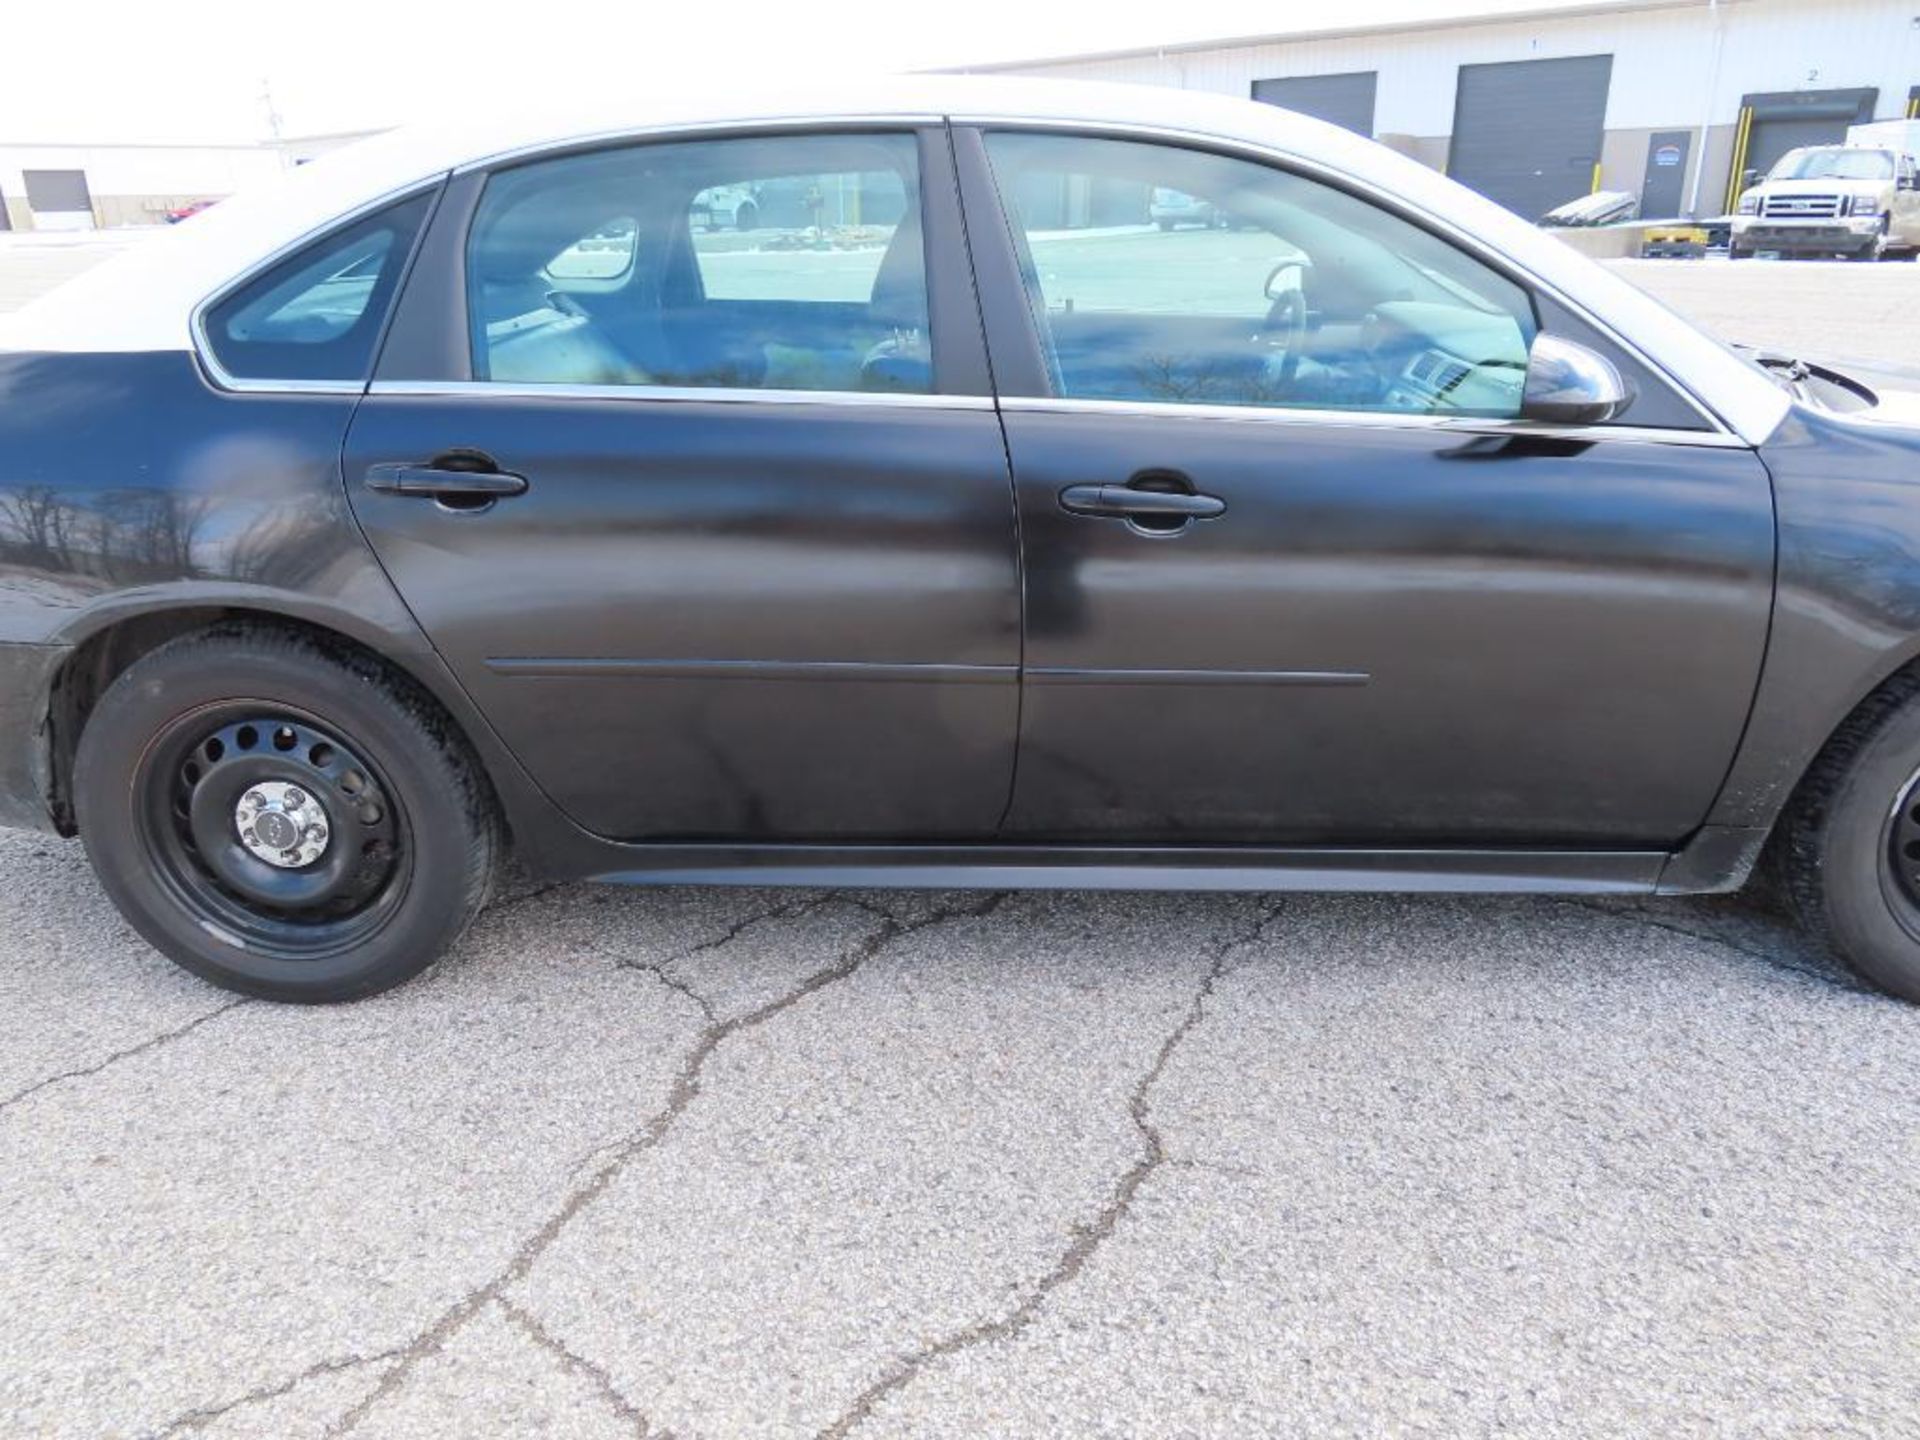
317	316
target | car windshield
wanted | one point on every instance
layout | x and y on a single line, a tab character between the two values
1833	165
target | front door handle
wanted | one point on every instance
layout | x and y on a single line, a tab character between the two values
434	483
1128	503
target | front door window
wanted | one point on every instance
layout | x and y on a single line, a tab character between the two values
1171	275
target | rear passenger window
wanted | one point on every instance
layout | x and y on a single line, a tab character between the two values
776	263
317	316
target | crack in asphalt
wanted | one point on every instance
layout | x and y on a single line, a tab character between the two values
595	1375
204	1415
507	903
152	1043
784	910
679	987
686	1088
1633	916
1087	1237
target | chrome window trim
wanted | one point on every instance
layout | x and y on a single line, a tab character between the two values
1094	125
197	317
1466	240
1373	420
682	129
674	394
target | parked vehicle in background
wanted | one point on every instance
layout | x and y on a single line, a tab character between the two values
725	207
466	486
1171	208
188	211
1860	200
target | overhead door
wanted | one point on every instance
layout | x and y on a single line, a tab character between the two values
1338	99
6	221
1527	133
59	199
1771	125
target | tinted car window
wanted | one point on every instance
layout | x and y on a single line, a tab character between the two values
1165	274
779	263
317	316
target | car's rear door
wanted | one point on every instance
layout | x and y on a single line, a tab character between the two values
715	526
1303	577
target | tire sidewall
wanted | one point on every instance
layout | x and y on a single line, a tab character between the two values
1856	907
423	780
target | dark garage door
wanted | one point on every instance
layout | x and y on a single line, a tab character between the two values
1527	132
1338	99
1817	117
51	191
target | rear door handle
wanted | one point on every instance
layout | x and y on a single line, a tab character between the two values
1125	501
432	483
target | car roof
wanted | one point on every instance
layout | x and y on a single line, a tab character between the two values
143	299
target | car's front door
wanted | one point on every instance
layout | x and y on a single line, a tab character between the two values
715	526
1294	572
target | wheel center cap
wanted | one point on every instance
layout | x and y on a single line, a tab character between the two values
281	824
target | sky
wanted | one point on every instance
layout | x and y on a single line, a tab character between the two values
200	70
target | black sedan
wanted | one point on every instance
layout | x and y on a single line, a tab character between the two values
954	524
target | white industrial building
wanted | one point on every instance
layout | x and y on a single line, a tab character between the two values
1669	99
86	187
1672	100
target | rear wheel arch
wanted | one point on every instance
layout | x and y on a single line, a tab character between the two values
105	653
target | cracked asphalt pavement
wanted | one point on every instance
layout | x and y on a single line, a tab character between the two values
771	1163
779	1163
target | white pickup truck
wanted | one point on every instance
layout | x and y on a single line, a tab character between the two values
1860	199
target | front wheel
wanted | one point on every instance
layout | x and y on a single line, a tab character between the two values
1851	843
281	818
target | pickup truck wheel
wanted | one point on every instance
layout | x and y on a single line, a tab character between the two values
281	819
1851	843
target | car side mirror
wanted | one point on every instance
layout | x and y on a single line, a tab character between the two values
1568	384
1749	179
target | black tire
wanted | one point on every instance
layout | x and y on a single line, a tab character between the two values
1849	852
394	832
1734	252
746	216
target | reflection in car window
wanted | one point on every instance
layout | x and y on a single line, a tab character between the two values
1165	274
788	262
317	315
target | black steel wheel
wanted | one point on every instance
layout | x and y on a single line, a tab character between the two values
1900	857
269	827
283	817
